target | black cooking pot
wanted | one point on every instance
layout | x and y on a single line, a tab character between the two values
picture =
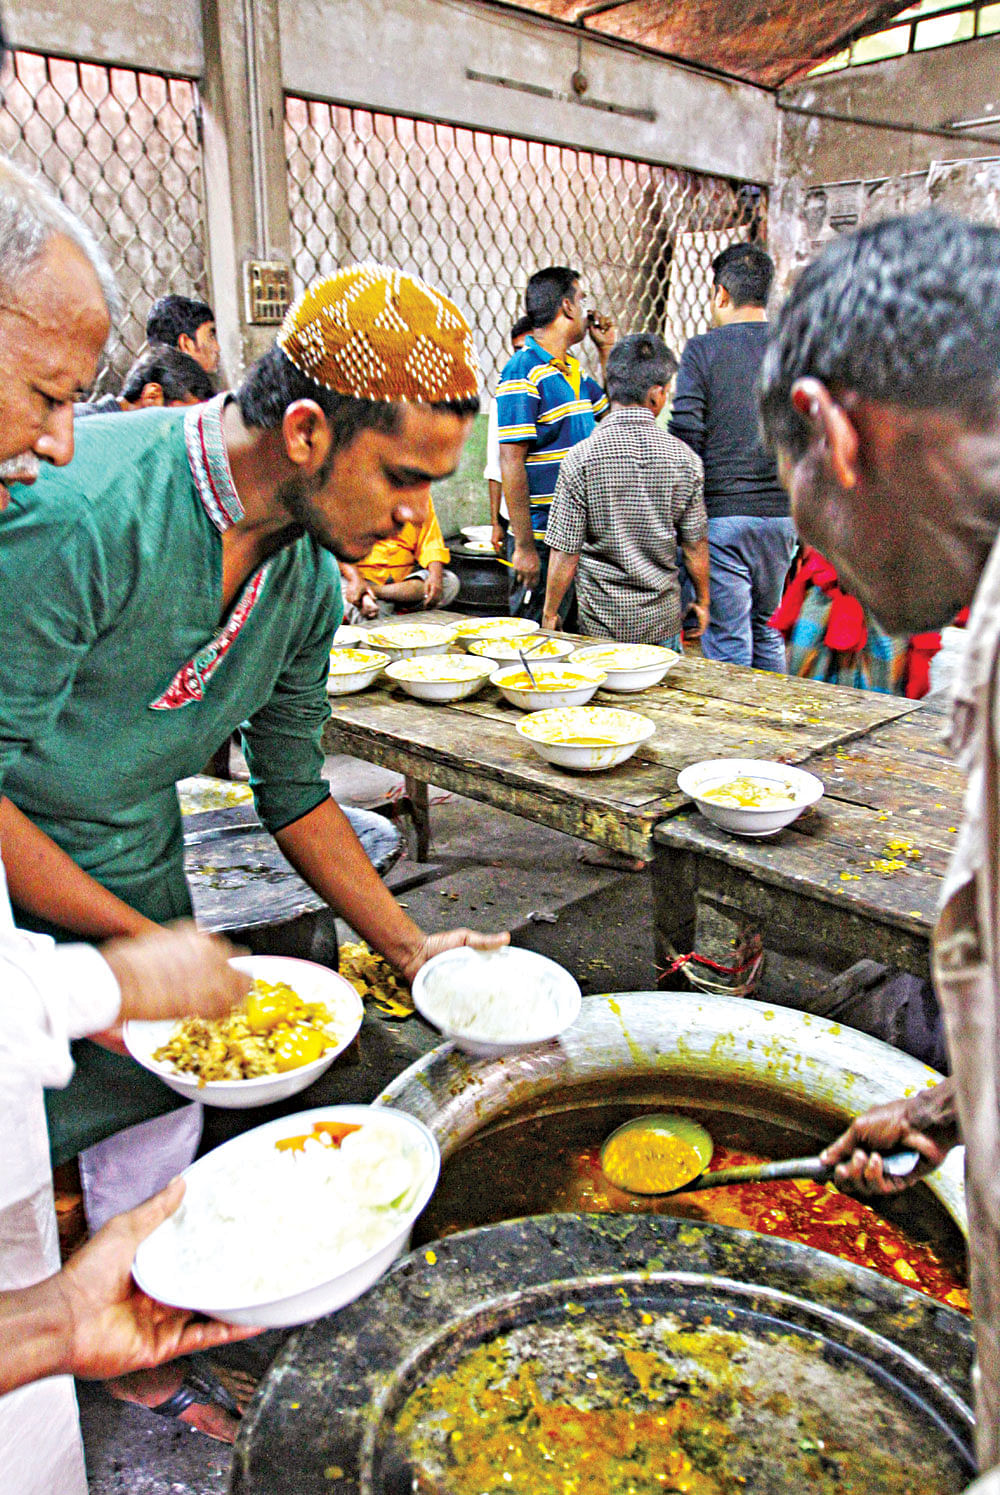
483	578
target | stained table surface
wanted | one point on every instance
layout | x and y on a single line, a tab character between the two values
876	846
702	709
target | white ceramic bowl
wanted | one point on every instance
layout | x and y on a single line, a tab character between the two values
441	677
539	997
478	534
629	667
314	983
504	650
347	635
410	640
803	789
158	1271
558	685
592	737
485	630
353	669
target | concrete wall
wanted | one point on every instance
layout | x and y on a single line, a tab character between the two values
832	175
166	38
411	57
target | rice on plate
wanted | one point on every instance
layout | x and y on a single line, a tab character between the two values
294	1218
496	1001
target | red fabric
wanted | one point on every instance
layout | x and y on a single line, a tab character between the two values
923	647
845	629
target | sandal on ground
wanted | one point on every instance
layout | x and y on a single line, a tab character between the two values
209	1400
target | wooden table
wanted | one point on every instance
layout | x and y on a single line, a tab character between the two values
701	710
828	886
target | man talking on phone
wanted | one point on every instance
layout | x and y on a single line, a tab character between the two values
546	405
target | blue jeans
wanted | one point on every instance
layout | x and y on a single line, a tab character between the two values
748	560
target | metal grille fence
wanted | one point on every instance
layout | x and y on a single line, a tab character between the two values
476	212
121	147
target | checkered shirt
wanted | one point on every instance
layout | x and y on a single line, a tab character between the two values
625	499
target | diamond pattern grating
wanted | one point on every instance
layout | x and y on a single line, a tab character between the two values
476	212
122	149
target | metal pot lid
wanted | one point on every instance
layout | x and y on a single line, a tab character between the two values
805	1336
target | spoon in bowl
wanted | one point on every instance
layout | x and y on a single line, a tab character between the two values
523	658
667	1154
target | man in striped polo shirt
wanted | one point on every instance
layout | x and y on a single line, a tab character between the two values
546	405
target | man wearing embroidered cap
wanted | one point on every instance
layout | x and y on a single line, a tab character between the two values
184	585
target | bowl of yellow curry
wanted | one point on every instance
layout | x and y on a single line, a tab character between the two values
441	677
538	646
586	738
629	667
750	796
296	1019
354	669
410	640
487	630
553	685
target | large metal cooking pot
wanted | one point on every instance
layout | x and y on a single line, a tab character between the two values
812	1341
744	1057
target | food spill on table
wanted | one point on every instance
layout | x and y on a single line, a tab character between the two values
375	980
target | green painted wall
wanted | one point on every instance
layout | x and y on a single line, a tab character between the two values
463	498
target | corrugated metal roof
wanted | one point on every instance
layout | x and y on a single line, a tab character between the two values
759	41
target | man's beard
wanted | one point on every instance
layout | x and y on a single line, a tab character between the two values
296	497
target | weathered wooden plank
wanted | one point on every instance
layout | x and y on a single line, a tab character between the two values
792	919
590	819
857	710
924	733
484	760
684	734
790	860
688	728
852	836
484	744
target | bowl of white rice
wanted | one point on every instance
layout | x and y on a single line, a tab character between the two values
493	1002
294	1219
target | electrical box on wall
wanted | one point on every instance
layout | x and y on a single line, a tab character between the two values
267	291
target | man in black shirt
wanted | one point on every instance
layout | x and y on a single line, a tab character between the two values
750	534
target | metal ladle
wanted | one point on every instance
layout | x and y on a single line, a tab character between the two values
898	1164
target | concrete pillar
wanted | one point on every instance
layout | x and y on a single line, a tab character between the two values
246	193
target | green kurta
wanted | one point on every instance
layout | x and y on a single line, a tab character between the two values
116	679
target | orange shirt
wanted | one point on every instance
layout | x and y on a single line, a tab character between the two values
411	550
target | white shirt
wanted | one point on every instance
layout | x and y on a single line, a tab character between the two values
491	472
49	994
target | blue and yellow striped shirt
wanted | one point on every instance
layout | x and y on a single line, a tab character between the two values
550	404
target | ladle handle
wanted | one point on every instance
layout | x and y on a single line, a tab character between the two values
760	1173
897	1164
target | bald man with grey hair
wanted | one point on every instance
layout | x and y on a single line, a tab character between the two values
57	301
